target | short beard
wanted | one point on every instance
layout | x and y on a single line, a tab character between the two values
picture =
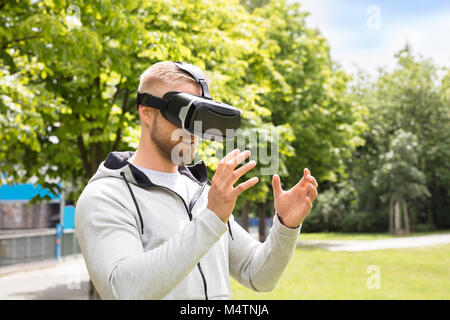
166	146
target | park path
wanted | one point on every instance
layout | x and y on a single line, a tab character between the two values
67	279
380	244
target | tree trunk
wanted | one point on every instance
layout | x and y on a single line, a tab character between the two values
405	216
244	220
432	205
262	221
391	215
398	217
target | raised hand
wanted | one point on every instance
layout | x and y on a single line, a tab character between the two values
222	195
294	205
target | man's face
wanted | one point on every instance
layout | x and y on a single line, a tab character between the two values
175	144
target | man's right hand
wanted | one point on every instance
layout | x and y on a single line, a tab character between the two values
222	195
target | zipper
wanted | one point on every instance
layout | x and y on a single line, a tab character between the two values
204	280
188	210
134	200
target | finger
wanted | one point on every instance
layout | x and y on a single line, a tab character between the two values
312	194
230	155
303	180
309	187
312	180
309	204
238	159
243	170
244	186
276	184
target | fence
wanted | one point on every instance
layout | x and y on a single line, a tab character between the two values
34	245
23	215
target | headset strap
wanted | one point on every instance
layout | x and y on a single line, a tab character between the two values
151	101
196	73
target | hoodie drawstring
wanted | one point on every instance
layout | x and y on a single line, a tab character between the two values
139	211
229	229
134	200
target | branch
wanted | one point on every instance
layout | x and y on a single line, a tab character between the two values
99	156
117	90
119	129
116	94
21	39
84	155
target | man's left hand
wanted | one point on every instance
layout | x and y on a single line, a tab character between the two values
294	205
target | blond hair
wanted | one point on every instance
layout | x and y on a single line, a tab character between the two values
164	73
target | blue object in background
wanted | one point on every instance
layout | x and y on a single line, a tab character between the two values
24	192
59	232
69	217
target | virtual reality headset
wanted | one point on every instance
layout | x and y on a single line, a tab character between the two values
199	115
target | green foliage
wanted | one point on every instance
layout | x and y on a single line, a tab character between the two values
80	66
71	71
404	155
69	74
309	93
406	147
398	167
365	221
337	210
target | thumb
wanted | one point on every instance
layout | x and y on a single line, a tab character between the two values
276	184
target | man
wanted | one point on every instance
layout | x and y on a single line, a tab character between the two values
150	228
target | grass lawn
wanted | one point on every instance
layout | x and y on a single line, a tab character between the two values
413	273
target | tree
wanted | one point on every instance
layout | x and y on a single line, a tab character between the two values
305	93
71	74
411	98
310	94
399	180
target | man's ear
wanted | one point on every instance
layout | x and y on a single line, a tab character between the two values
146	114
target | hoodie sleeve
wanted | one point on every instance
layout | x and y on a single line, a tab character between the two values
110	241
257	265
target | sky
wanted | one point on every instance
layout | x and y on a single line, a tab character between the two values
367	34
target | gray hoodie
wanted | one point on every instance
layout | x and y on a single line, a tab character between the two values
142	241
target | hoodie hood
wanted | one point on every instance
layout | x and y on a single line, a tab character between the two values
117	162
